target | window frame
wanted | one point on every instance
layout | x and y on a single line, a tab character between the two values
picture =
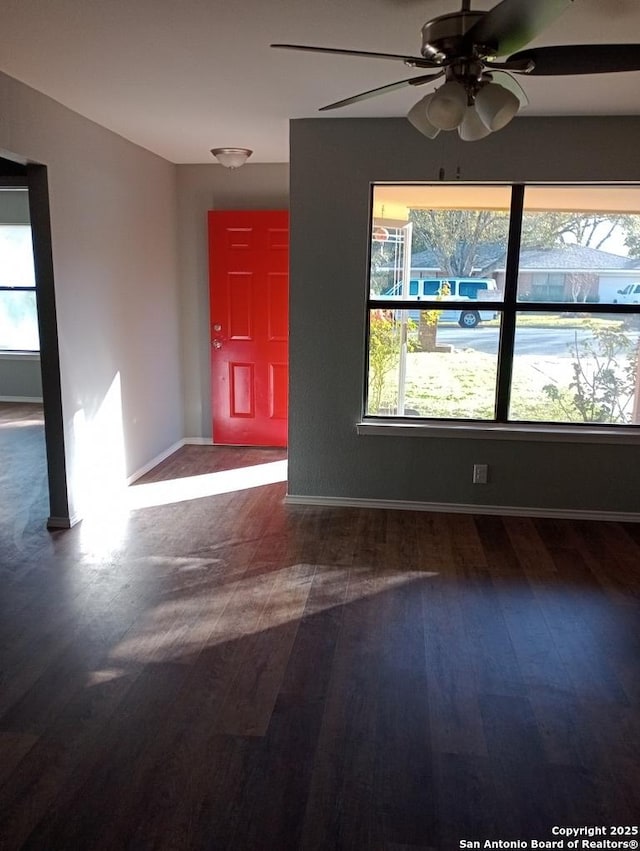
508	307
18	289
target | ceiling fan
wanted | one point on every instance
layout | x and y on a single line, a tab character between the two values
480	94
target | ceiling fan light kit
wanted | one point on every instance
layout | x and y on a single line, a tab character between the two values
496	106
472	127
447	107
464	46
418	118
231	157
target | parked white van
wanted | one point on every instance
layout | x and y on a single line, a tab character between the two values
450	289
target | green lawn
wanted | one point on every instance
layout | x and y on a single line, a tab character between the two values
557	321
461	385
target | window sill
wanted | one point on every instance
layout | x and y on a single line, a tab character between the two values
6	354
493	431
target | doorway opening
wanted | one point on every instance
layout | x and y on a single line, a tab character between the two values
18	174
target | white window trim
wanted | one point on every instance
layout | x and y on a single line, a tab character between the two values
14	354
499	431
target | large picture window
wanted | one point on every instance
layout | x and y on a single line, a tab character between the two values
18	313
505	304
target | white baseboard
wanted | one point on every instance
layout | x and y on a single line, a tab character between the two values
155	461
31	399
63	522
463	508
68	522
195	441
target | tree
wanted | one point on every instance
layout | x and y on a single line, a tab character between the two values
458	238
579	284
604	377
462	241
384	352
631	226
475	241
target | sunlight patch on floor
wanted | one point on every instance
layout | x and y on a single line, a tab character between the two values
152	494
183	626
103	532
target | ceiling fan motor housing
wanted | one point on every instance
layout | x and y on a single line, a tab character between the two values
443	36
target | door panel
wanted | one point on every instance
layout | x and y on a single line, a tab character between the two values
278	307
249	295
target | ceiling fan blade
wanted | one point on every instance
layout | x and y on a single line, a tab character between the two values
412	61
522	66
513	23
391	87
581	59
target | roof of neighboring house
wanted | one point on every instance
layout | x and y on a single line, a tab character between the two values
487	255
572	257
568	258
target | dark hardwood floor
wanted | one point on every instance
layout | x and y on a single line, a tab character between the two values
231	673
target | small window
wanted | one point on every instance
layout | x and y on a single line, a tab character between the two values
18	312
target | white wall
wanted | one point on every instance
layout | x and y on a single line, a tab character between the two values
115	265
202	188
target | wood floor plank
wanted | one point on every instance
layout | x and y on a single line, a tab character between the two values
488	637
453	673
529	547
339	810
466	801
404	781
502	559
274	812
574	621
529	808
53	772
468	553
613	557
254	691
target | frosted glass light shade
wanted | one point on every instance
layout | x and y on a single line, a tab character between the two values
496	106
231	157
447	107
417	116
472	127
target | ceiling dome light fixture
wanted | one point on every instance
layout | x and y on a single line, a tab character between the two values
231	157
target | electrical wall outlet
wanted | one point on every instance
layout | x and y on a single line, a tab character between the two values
480	474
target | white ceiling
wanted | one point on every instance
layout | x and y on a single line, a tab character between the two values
182	76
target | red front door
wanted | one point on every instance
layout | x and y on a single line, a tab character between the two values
248	282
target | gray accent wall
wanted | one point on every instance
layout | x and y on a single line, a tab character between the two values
202	188
113	232
333	163
20	377
14	207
